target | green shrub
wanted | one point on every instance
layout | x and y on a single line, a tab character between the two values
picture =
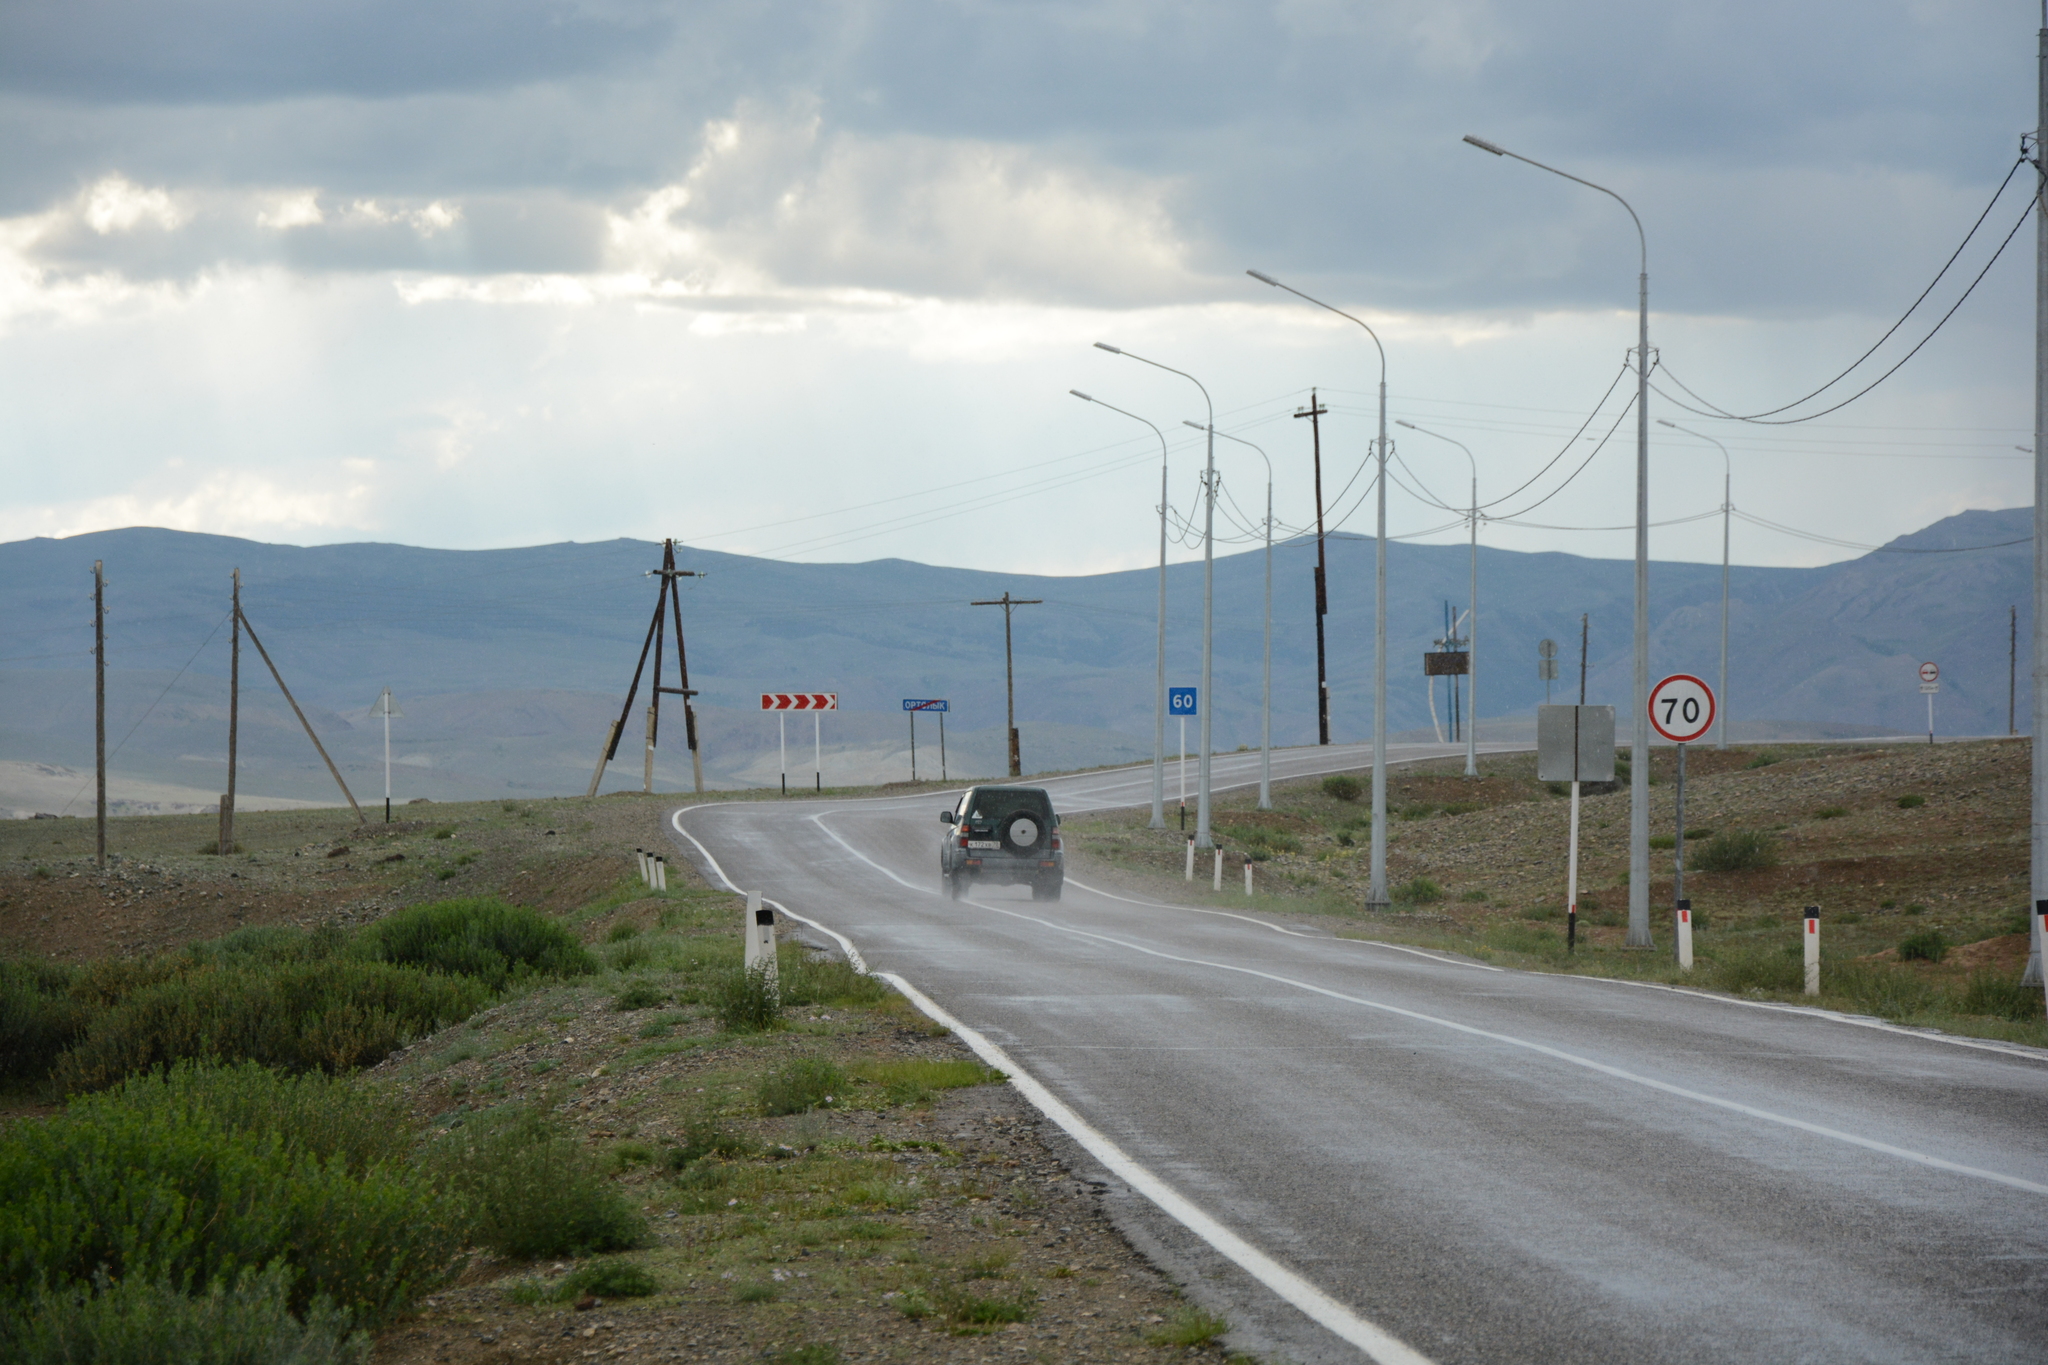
39	1018
964	1308
1926	946
2001	997
269	943
334	1120
482	938
815	1353
913	1080
148	1183
1663	841
1831	812
1736	850
754	1291
1191	1326
141	1320
633	952
1757	969
1418	891
1343	786
706	1137
1878	988
1764	759
808	980
331	1016
747	1000
622	931
1912	801
800	1085
606	1280
639	995
529	1189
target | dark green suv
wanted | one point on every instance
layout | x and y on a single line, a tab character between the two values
1003	835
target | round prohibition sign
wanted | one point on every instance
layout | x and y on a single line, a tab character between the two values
1682	708
1930	672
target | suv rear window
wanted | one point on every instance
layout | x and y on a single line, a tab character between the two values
996	804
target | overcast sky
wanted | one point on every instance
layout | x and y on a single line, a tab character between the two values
814	280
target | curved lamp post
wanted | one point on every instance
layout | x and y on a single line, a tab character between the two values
1202	839
1376	893
1639	750
1266	692
1472	724
1159	698
1727	506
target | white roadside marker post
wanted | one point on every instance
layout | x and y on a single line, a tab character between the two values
760	929
1247	878
661	872
2041	911
640	861
1685	936
1191	859
1812	937
1217	884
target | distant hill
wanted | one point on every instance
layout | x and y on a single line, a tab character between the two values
510	664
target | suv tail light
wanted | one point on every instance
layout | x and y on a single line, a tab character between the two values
1055	843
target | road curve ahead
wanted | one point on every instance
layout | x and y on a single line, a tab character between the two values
1439	1161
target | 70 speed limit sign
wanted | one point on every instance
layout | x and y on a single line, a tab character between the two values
1682	708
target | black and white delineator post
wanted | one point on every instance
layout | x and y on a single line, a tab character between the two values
760	937
660	872
1191	855
1574	744
384	706
1216	883
1684	935
2041	933
640	861
1811	935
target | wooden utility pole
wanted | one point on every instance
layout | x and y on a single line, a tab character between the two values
227	800
668	602
2012	677
1314	412
320	748
1008	604
99	700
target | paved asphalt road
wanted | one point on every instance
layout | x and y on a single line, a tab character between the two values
1486	1165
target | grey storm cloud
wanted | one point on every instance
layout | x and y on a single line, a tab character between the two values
1787	159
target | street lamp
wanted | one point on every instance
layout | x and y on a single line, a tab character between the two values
1159	698
1472	641
1208	592
1376	892
1639	750
1727	506
1266	694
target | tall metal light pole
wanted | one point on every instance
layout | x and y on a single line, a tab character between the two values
1472	640
1376	892
1159	697
1639	744
1266	691
1208	703
2040	818
1727	509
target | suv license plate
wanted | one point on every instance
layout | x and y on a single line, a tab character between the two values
984	843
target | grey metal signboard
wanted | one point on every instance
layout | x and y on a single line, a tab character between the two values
1575	742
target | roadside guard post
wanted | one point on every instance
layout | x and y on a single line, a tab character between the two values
1574	744
1812	937
2041	914
1681	710
760	937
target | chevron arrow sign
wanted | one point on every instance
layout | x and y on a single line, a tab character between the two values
799	701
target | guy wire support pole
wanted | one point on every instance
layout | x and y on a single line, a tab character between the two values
1376	894
1008	604
2039	852
320	748
668	573
99	704
1314	412
1208	592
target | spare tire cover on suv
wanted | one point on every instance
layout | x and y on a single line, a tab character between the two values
1023	830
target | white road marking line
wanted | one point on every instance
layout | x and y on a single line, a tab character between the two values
1558	1054
853	956
1334	1317
1291	933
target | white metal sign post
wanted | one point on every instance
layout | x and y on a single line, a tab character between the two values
814	702
1574	744
914	705
1930	683
1181	701
384	706
1681	710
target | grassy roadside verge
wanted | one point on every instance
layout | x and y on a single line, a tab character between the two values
1917	856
